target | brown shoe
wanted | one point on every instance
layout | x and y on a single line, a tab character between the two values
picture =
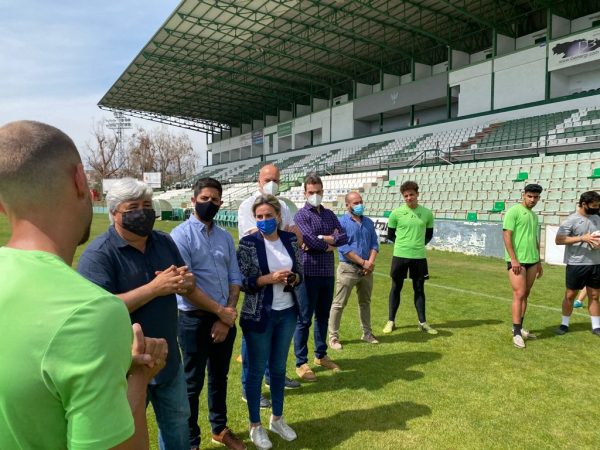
327	363
229	440
305	373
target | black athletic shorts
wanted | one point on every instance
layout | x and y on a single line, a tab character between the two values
525	266
578	277
402	266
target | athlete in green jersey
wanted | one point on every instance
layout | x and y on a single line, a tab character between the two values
66	378
410	227
522	255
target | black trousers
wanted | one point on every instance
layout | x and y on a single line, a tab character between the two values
418	270
201	354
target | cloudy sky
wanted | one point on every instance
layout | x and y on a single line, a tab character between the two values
58	58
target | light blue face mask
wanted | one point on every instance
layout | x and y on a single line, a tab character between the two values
358	210
267	226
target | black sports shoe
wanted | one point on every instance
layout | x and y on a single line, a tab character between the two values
563	329
596	331
264	401
289	383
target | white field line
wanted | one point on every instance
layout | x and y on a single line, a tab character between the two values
493	297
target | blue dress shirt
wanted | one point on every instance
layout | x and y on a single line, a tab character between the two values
210	256
362	237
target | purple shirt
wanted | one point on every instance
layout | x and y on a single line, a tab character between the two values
318	262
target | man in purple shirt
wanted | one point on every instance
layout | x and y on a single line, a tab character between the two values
321	233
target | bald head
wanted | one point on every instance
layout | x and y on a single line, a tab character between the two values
35	161
268	173
352	197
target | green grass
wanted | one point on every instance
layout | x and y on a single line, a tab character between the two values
467	387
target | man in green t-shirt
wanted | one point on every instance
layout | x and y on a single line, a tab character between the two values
410	227
522	255
67	378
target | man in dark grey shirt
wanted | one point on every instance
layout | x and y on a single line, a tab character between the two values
580	233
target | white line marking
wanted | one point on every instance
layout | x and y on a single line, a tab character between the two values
493	297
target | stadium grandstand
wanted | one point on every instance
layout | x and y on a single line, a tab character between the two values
472	99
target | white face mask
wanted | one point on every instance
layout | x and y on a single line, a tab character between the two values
314	200
271	188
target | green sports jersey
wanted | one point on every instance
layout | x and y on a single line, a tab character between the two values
66	349
523	223
410	225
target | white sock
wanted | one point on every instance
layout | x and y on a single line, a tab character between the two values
595	322
565	320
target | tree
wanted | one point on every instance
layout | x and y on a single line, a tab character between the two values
157	150
104	154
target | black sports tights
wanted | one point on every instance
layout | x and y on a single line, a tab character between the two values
394	301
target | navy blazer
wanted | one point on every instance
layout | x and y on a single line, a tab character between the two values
252	259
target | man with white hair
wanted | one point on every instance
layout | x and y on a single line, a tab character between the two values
269	179
144	268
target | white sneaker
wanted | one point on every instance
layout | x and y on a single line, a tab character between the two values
282	429
259	437
518	341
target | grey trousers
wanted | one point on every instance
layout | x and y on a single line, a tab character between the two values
348	276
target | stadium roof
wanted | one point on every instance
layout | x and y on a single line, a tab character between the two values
217	64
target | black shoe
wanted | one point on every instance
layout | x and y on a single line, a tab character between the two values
264	401
563	329
596	331
289	383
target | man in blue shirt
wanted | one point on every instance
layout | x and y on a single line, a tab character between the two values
207	341
144	269
357	262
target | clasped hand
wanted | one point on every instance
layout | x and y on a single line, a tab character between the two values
173	280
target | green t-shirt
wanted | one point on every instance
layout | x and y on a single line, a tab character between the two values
410	225
523	223
66	349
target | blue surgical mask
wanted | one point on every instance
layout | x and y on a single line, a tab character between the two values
267	226
358	210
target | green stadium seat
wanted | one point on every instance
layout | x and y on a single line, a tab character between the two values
498	207
595	173
522	176
387	213
472	217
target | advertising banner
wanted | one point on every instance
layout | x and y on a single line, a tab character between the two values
257	137
285	129
575	49
152	179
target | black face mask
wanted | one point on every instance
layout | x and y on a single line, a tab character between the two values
591	211
139	221
206	210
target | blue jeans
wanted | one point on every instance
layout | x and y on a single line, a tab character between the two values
245	366
201	355
272	346
172	410
317	302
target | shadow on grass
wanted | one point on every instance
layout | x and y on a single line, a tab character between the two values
370	373
332	431
418	336
550	332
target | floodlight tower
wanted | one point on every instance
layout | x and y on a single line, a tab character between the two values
118	124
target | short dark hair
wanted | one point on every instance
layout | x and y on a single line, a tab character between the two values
409	186
34	158
533	187
207	183
312	178
589	197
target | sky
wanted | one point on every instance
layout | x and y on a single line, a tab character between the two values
58	58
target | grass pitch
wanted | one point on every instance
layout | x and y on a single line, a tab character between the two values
467	387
